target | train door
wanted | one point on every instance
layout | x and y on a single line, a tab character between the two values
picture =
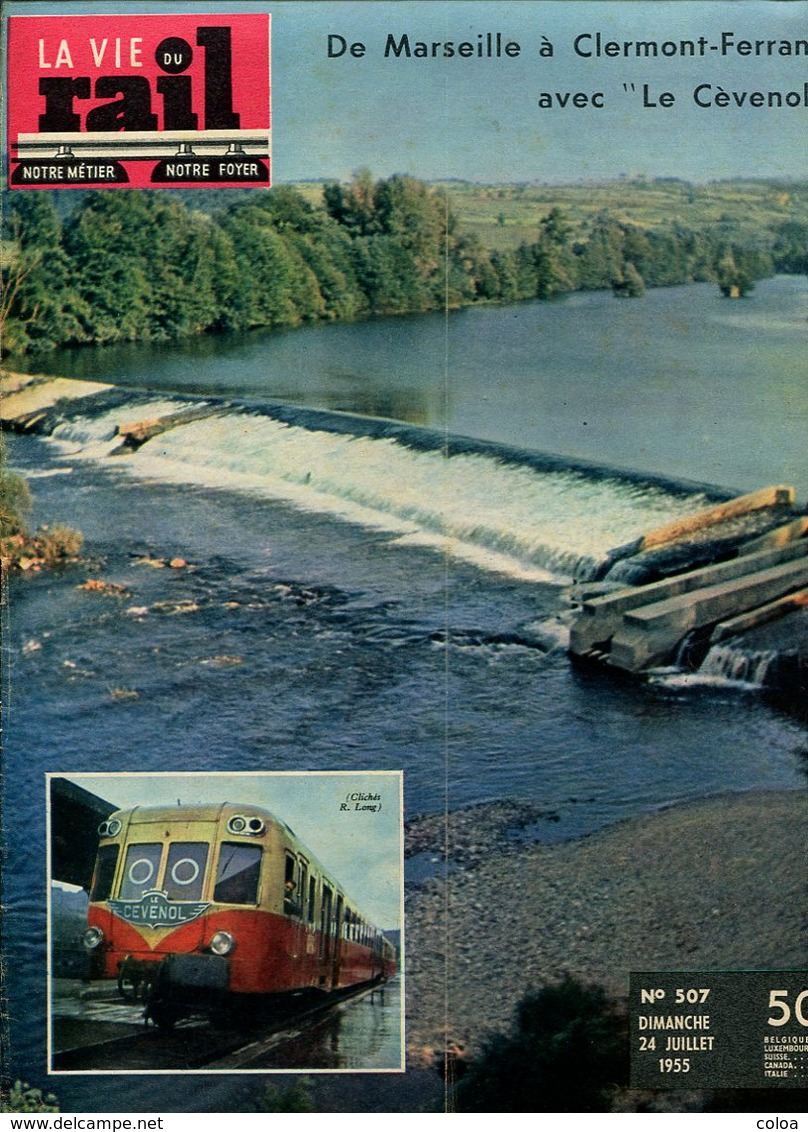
294	899
325	933
335	970
302	928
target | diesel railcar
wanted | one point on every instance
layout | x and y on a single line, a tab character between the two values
215	908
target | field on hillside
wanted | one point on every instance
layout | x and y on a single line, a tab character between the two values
503	216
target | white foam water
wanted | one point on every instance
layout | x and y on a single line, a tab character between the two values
96	436
505	517
737	666
723	667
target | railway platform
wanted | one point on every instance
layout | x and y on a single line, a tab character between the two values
93	1031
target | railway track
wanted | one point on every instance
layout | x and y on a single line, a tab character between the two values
195	1045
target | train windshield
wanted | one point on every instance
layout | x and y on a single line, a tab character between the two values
140	870
104	872
185	870
237	874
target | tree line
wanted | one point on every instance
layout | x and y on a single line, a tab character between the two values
131	265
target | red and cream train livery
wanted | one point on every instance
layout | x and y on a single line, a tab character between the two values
209	906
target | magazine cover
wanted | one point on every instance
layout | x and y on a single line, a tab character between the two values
404	557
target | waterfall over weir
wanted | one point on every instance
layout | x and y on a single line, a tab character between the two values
516	512
737	666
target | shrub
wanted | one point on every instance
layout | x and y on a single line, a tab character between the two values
568	1052
15	503
19	549
58	544
22	1098
297	1097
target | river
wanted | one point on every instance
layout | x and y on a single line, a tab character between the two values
681	383
354	600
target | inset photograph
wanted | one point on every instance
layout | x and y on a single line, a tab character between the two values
232	922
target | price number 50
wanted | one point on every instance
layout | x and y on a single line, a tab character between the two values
778	1002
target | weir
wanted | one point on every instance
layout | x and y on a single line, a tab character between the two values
687	566
760	581
530	514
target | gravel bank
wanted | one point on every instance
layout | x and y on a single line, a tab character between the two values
716	884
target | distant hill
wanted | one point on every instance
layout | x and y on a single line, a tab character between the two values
505	215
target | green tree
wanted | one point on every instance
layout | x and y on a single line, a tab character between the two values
328	256
629	284
322	283
40	305
600	257
148	267
504	269
790	249
388	277
354	205
110	239
734	279
188	253
265	271
407	252
470	274
556	266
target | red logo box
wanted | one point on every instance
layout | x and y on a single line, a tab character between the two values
171	101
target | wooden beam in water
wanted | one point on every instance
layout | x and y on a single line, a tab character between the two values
601	617
772	611
136	433
649	636
777	496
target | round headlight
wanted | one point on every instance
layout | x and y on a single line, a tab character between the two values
93	938
237	824
113	827
222	943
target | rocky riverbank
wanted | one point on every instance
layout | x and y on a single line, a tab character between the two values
714	884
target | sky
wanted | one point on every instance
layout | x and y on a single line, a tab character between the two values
360	848
480	119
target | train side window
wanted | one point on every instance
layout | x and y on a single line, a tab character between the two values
291	887
140	870
237	874
185	870
304	887
312	898
104	872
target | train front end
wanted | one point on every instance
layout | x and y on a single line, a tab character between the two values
182	907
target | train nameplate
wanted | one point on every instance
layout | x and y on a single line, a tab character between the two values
155	910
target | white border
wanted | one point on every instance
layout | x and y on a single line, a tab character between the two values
75	777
